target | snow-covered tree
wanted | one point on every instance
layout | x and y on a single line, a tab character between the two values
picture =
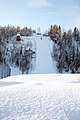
69	51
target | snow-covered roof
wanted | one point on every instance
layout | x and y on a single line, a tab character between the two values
18	34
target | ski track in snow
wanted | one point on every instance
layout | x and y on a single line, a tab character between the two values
40	97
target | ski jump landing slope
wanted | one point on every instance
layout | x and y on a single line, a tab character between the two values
44	63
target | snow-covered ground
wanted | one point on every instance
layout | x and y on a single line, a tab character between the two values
40	97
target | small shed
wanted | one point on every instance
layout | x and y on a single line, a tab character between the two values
18	38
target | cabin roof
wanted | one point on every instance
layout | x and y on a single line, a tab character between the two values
18	34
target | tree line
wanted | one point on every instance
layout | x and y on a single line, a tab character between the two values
7	32
67	48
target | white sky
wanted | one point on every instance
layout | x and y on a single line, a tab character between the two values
40	13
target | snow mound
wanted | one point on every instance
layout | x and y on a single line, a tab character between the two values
40	97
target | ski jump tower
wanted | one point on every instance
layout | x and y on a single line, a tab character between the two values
38	31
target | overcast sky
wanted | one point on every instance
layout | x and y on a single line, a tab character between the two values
40	13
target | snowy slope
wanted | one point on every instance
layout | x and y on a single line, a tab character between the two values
41	63
44	62
40	97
